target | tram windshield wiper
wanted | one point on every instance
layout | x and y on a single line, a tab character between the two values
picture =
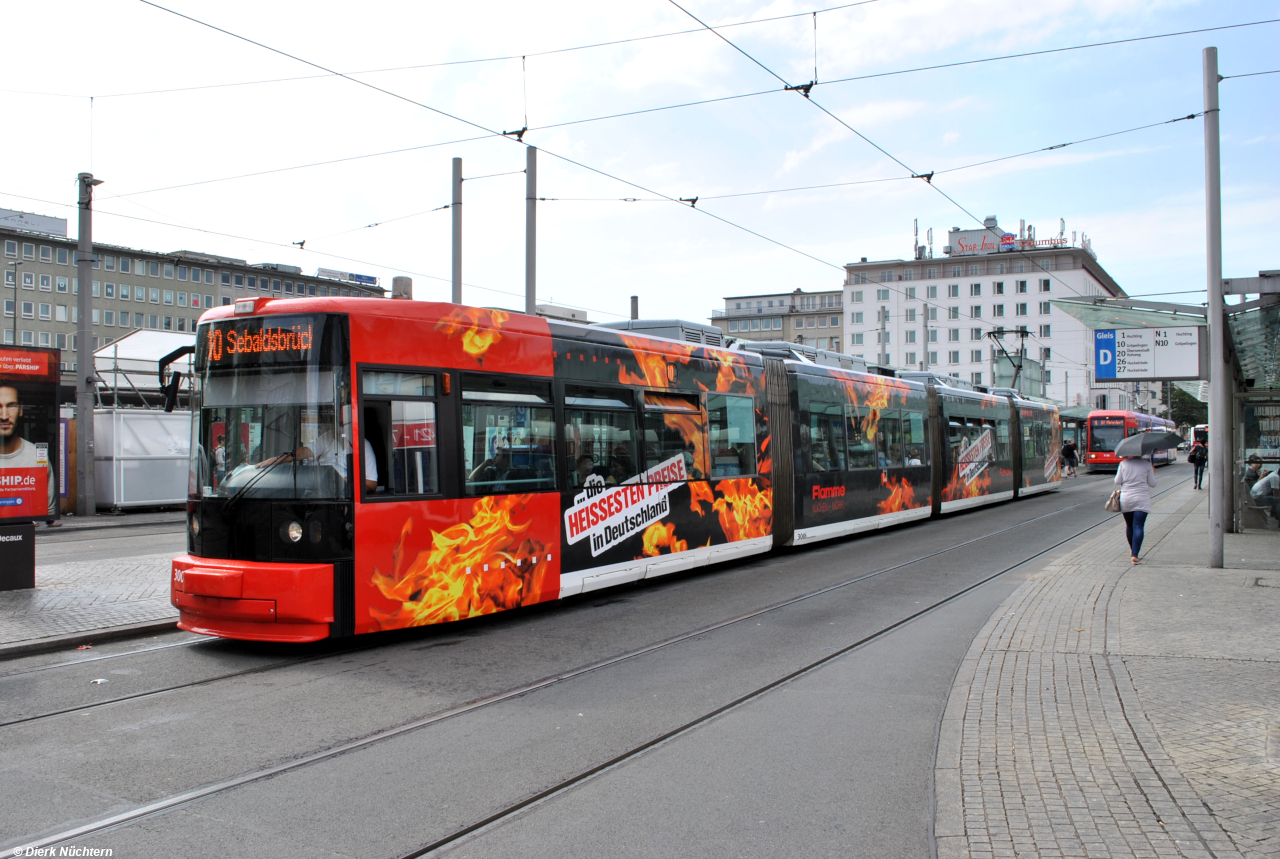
253	481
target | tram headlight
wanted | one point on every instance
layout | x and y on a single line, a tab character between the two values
314	532
195	527
293	531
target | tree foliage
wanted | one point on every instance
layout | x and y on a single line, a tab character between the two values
1187	410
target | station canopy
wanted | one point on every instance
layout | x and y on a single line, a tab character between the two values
1254	327
132	362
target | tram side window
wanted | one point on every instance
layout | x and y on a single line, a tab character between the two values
1003	451
956	438
890	439
826	438
508	435
967	432
673	426
600	434
731	426
915	439
1035	439
859	423
399	424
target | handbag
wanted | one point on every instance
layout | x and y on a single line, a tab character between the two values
1113	503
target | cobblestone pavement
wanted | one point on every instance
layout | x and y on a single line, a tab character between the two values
1108	711
82	596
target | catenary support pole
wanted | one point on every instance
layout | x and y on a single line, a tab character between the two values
456	210
86	377
531	231
1219	373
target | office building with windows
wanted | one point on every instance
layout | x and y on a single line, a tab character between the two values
936	314
811	318
132	288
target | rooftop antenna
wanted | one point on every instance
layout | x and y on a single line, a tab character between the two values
930	239
1062	227
915	240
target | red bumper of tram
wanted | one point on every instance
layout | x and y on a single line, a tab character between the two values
251	600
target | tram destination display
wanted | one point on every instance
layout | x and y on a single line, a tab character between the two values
263	341
28	433
1132	354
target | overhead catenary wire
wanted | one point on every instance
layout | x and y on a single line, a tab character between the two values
293	246
504	58
681	105
927	177
345	159
615	42
566	159
1251	74
868	76
544	151
1051	148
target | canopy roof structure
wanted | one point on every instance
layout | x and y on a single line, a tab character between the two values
1254	328
132	362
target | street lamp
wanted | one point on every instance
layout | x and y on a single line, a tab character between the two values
14	265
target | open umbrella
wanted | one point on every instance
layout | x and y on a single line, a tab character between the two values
1148	442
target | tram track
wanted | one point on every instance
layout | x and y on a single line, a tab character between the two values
461	835
72	663
166	804
358	644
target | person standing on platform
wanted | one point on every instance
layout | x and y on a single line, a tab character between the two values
220	460
1198	457
1069	455
1136	478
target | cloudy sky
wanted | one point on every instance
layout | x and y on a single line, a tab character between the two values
203	139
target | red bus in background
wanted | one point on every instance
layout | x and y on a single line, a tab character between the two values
1108	427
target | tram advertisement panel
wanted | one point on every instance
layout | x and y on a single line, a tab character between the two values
28	433
665	451
863	448
668	449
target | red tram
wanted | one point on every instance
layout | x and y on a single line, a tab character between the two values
365	465
1107	428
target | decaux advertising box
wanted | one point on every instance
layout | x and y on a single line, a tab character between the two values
28	433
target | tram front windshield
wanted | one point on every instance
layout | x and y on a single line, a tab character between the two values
272	414
1105	434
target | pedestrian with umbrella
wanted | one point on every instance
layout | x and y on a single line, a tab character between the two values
1136	478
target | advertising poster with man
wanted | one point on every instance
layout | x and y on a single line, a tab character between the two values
28	434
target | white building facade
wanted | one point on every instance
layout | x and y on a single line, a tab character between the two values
936	314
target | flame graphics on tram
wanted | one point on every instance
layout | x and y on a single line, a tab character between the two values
902	495
480	329
478	567
659	536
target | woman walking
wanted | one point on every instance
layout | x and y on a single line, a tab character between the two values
1198	457
1136	478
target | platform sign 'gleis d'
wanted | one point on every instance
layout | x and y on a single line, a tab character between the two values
1129	354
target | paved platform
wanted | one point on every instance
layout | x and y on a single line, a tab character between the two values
1108	710
88	596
